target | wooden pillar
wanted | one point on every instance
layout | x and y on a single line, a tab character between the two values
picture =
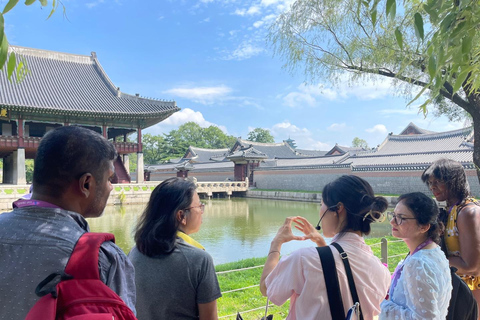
20	124
104	131
139	139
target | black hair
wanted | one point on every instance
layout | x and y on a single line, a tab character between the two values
425	211
65	154
452	174
358	198
156	230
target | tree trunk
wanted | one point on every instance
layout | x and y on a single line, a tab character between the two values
476	143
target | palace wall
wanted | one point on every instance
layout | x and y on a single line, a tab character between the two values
382	182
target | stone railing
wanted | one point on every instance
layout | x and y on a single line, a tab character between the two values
228	187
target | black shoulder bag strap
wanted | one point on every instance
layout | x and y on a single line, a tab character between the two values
331	281
348	271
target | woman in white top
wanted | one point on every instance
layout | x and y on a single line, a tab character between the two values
421	285
349	206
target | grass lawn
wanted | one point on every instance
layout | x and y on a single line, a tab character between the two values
248	280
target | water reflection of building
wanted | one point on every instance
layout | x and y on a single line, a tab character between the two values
394	167
67	89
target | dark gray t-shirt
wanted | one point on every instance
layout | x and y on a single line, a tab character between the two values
170	286
35	242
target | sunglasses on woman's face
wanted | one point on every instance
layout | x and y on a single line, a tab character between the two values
398	218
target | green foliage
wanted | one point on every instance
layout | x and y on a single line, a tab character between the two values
29	163
19	69
359	143
159	149
260	135
431	45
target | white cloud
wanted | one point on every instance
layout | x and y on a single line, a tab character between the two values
205	20
378	128
410	111
337	127
181	117
244	51
203	95
303	137
90	5
307	95
253	10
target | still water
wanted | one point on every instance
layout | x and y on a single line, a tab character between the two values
232	229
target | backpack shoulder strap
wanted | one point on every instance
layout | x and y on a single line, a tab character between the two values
83	263
348	271
331	281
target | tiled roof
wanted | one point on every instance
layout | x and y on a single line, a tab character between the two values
75	85
310	161
438	142
272	150
208	166
465	156
205	155
246	154
412	128
311	153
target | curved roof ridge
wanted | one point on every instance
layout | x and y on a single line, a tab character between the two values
375	155
48	54
275	144
207	149
436	135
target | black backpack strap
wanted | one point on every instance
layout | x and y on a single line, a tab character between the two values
348	271
331	281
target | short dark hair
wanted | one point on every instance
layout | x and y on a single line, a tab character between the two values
452	173
156	230
425	211
66	153
357	196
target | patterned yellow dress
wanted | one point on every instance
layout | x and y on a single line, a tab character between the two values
452	240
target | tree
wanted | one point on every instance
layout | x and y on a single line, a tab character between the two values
359	143
159	149
431	44
260	135
20	68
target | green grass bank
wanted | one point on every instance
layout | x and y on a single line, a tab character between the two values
239	283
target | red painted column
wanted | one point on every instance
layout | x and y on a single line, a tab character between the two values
21	143
105	133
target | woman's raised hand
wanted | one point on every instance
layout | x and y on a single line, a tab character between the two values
284	234
309	230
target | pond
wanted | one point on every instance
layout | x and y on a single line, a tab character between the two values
232	229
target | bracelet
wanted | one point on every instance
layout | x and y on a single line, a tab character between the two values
273	251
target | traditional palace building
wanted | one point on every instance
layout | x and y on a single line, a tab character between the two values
64	89
393	167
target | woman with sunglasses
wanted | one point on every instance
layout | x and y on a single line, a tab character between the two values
421	284
175	277
461	241
348	208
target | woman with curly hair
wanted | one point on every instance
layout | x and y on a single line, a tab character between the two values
461	241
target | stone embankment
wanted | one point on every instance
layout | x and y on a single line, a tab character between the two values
298	196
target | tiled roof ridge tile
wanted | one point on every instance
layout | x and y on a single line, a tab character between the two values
411	153
432	136
207	149
275	144
54	55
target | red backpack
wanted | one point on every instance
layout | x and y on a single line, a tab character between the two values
81	295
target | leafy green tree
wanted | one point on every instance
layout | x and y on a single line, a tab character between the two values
158	149
153	148
429	48
359	143
216	139
260	135
12	66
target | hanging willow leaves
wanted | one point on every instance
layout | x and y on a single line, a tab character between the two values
418	20
12	62
399	38
9	6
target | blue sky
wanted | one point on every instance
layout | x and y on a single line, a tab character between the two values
212	58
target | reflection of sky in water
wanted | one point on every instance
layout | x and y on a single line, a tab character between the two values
232	230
